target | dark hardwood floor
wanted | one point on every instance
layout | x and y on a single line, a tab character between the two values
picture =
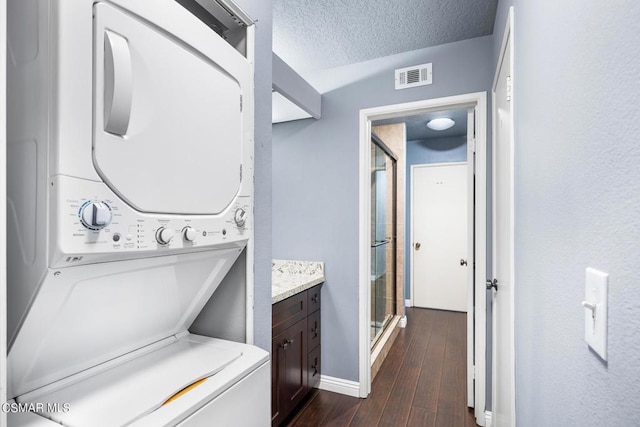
422	382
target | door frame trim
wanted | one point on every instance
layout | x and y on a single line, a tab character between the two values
479	101
410	210
507	41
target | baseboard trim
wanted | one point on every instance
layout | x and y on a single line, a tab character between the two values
487	419
403	322
338	385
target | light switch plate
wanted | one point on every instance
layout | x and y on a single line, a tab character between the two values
595	322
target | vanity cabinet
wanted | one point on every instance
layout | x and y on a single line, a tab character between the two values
295	351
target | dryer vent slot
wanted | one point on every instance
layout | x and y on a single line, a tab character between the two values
202	14
222	19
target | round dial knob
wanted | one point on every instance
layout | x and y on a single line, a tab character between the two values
189	234
164	235
95	215
240	217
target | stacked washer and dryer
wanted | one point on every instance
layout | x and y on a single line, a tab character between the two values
130	198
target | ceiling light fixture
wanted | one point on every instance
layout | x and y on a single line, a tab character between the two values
441	123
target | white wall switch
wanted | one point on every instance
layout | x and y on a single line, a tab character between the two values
595	311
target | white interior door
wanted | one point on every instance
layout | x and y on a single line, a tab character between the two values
440	244
503	388
471	262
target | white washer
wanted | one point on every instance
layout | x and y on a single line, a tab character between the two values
130	196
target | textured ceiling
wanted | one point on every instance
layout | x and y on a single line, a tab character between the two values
321	34
417	129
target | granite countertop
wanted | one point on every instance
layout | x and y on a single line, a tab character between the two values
291	277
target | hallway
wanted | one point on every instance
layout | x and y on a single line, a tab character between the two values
421	383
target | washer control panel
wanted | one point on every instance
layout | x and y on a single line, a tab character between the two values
97	226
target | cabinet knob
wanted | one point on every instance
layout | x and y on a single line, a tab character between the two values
315	298
285	344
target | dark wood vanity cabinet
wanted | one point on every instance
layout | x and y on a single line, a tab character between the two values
295	351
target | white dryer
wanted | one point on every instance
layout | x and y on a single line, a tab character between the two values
130	194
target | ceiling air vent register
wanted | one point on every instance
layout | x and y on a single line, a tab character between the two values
417	75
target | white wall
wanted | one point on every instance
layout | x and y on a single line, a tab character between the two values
260	11
577	204
315	177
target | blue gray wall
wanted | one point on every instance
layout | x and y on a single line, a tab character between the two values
436	150
315	180
577	204
260	11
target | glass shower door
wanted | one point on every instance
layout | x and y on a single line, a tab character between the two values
383	239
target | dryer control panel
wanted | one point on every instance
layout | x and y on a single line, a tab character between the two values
94	225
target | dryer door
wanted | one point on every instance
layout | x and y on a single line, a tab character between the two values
167	125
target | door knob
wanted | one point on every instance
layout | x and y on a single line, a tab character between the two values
463	261
492	284
418	246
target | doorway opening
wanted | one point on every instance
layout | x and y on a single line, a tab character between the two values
475	256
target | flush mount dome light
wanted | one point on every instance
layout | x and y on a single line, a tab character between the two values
441	123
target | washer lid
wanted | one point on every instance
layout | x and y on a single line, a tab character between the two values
128	392
84	316
168	121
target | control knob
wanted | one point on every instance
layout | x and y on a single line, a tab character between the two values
189	234
164	235
240	217
95	215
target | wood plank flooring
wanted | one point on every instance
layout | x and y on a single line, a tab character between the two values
422	382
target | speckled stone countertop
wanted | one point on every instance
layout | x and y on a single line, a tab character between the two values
291	277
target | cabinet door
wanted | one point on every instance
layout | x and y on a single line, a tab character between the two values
290	375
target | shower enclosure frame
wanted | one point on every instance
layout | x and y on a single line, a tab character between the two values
376	244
